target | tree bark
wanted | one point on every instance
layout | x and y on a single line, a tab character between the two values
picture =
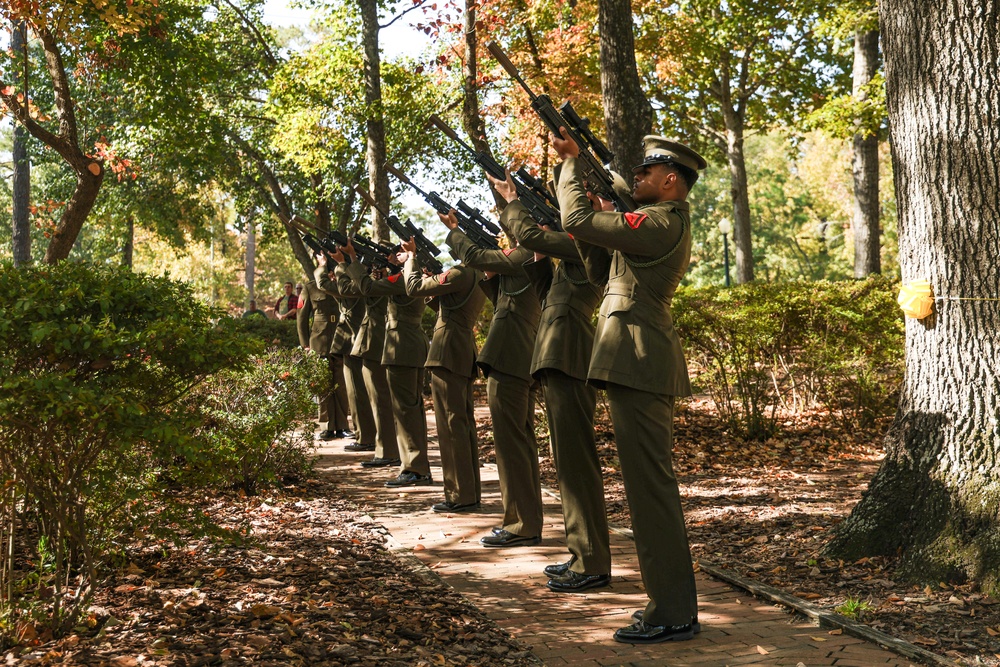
866	199
21	241
740	196
250	276
378	177
934	501
472	119
129	247
628	115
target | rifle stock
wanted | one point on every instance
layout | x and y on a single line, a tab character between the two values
427	252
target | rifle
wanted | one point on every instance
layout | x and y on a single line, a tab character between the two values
481	231
595	171
427	252
370	253
542	206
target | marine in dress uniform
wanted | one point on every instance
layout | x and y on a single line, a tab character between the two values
451	360
318	336
506	361
403	356
369	344
352	313
638	358
560	362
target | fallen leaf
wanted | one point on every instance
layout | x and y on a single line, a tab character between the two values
818	639
762	650
838	631
419	547
923	641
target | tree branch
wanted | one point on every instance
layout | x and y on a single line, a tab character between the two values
404	13
272	59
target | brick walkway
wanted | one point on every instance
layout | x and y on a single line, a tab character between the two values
508	585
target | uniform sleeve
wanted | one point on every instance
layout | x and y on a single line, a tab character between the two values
345	285
366	285
505	262
324	282
450	280
302	320
647	232
527	232
540	275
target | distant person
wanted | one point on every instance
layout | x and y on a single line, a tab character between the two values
253	311
288	305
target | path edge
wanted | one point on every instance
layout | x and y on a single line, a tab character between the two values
822	617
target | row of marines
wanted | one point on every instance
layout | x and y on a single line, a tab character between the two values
545	289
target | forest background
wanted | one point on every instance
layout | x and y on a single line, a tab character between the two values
211	120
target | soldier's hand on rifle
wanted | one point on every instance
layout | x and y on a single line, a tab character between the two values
564	146
409	246
450	221
338	256
350	251
321	259
598	203
506	188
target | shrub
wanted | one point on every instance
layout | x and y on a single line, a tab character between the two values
93	361
794	345
280	333
257	419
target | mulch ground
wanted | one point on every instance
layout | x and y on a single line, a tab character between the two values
316	587
767	509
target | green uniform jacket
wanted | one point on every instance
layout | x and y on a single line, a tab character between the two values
636	344
352	311
565	338
325	313
511	340
405	342
369	338
459	302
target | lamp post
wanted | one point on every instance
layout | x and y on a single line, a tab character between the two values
725	227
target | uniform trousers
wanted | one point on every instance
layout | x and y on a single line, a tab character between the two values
333	407
357	398
517	453
569	406
377	385
405	388
456	428
644	432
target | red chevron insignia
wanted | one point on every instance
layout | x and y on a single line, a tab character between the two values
635	219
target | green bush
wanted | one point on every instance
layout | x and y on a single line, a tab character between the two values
93	362
794	345
280	333
257	419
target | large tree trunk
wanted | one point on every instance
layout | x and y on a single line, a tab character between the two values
21	241
628	115
472	119
250	275
128	250
378	177
935	499
866	202
740	196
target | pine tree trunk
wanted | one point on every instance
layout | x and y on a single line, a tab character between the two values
21	241
628	116
935	500
378	177
866	201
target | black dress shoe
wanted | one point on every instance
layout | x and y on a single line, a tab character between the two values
637	616
450	507
505	538
344	433
574	582
327	435
359	447
559	569
643	633
378	462
409	478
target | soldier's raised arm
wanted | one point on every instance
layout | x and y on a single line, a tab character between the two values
450	280
558	245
